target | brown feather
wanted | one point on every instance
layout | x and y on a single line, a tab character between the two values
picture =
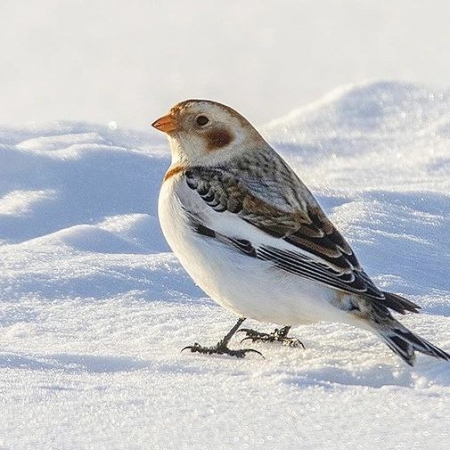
173	170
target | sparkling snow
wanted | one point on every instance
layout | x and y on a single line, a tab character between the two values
95	308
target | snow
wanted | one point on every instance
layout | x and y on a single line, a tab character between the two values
95	308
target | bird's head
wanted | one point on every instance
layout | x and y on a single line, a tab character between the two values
203	132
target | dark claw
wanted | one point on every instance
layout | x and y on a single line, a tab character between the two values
277	335
242	352
220	350
256	335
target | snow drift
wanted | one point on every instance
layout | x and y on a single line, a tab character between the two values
95	308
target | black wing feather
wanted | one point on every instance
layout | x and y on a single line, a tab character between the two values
334	262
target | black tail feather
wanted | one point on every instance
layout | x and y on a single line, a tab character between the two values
399	304
404	343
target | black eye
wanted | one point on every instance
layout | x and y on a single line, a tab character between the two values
202	120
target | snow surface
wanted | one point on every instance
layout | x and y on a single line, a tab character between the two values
95	308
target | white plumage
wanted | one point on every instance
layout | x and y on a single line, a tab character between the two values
249	287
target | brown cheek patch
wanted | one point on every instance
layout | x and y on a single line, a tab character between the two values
216	139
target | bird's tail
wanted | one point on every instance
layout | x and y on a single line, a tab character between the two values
405	343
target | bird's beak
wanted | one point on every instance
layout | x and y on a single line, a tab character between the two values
166	123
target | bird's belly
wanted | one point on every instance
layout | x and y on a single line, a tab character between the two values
245	285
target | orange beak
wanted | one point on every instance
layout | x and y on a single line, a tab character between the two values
166	123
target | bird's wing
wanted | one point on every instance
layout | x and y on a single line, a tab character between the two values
310	245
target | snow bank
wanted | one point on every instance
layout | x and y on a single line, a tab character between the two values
95	309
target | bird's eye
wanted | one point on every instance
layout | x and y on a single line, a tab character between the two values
202	120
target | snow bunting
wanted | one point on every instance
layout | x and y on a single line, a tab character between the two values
253	237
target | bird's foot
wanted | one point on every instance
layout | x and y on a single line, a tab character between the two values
220	349
279	335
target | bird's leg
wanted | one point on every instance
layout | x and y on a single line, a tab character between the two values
222	346
279	335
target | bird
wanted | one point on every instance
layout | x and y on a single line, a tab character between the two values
253	237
